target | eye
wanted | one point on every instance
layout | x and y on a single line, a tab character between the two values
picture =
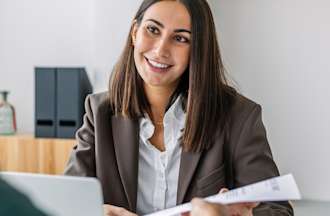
152	29
181	39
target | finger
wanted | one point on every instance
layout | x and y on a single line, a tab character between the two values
245	209
223	190
106	210
197	207
114	210
201	207
252	205
117	211
197	202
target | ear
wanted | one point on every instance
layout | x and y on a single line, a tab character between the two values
134	32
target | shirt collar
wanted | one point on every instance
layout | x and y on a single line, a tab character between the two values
175	115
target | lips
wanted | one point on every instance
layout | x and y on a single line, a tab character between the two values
157	66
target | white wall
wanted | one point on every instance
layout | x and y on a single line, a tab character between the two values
112	20
278	54
40	33
33	33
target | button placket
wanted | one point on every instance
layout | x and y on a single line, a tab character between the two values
161	168
160	187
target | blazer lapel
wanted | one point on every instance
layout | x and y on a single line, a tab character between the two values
188	165
126	144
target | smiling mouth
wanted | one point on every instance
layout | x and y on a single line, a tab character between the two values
159	67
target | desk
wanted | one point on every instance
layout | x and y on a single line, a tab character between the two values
311	208
25	153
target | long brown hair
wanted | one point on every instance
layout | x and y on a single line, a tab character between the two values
206	95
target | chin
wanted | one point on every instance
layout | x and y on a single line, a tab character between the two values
156	84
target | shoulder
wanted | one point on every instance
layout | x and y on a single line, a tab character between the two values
98	98
98	103
244	119
243	106
241	113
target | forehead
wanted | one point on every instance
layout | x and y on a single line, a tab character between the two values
172	14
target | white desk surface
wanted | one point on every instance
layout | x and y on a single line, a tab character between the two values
311	208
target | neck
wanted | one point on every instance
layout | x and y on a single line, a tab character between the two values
158	98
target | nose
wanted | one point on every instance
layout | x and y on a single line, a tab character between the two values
162	48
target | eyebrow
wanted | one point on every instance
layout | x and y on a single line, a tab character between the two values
162	26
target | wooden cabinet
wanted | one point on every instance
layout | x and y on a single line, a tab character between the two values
25	153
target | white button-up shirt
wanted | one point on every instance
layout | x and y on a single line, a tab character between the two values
158	173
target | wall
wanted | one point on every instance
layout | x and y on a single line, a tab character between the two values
33	33
277	52
112	20
40	33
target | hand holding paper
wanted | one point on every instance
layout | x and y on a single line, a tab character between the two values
275	189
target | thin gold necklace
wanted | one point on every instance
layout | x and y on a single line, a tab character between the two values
158	123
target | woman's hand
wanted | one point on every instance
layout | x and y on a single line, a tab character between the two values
240	209
110	210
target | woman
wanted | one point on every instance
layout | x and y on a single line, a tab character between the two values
170	128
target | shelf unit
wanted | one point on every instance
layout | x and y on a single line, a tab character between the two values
25	153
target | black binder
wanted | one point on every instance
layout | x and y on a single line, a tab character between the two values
59	101
45	102
72	87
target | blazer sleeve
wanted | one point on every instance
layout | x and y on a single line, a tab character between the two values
253	161
82	159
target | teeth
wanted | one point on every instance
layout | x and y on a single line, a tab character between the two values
158	65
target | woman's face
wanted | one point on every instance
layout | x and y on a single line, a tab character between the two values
162	44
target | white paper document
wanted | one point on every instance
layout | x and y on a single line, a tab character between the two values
275	189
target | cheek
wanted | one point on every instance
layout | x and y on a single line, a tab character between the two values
183	57
140	47
143	42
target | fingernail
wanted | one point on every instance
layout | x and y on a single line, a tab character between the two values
223	190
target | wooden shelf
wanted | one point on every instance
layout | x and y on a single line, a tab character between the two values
25	153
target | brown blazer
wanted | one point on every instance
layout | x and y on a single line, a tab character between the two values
107	148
